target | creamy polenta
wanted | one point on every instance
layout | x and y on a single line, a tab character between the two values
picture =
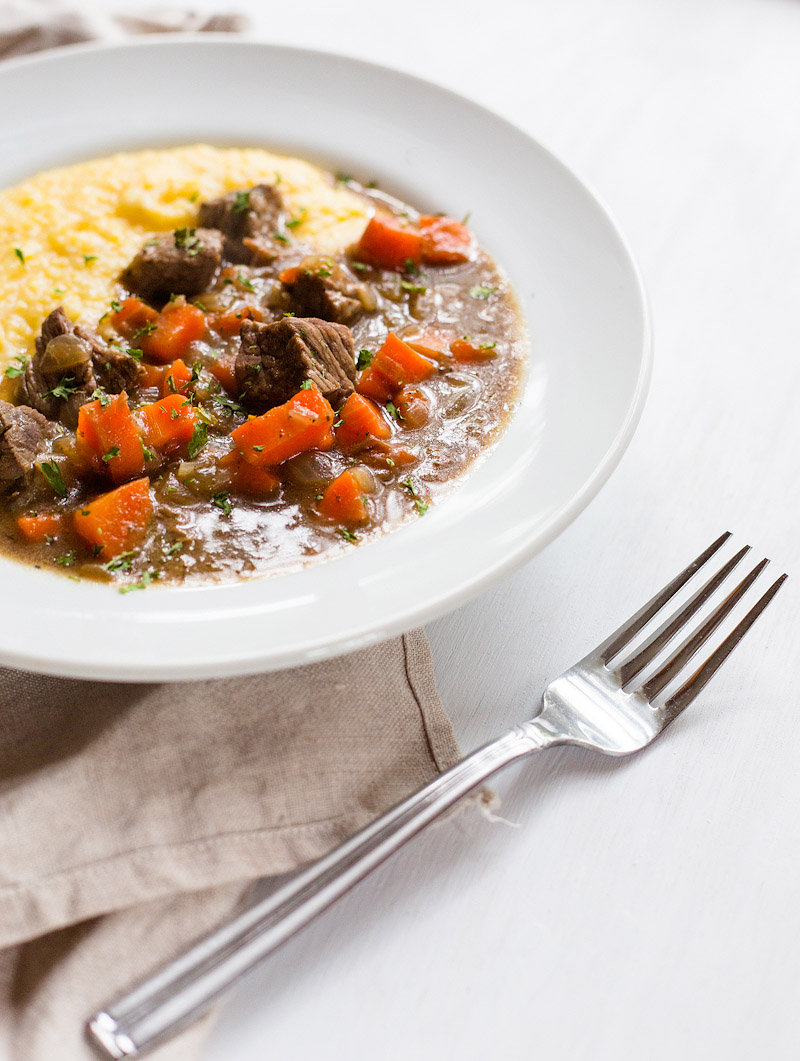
66	234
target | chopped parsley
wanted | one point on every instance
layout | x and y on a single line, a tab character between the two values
258	449
110	454
147	453
306	385
59	291
89	258
52	474
297	221
222	503
245	283
392	410
63	389
174	414
228	404
347	535
359	266
481	292
408	484
143	583
344	178
241	204
67	560
412	288
15	371
281	237
466	217
194	197
174	548
185	239
20	256
146	329
364	358
198	440
116	306
121	562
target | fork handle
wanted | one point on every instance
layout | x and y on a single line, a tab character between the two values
186	987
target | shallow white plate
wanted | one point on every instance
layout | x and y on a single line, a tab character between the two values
576	282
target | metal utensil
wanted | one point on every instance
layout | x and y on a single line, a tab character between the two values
593	705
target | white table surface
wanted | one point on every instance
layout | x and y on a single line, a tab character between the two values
644	908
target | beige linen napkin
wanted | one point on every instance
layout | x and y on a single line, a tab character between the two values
133	817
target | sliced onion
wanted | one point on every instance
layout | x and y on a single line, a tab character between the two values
311	469
64	352
365	477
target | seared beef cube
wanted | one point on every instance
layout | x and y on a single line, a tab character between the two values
248	220
276	359
23	434
69	364
320	288
180	263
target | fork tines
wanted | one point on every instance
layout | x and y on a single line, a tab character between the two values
650	649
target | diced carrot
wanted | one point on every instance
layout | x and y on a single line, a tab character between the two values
224	368
304	422
133	316
468	350
344	500
432	343
168	422
176	378
372	382
37	528
253	481
413	407
387	243
445	241
359	422
109	439
395	455
230	323
115	522
289	276
177	326
152	375
400	364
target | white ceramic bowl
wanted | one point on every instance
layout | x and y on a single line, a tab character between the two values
574	276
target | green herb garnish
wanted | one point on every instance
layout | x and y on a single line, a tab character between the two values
185	239
481	292
241	203
143	583
392	410
89	258
347	535
15	371
222	503
121	562
67	560
63	389
198	440
110	454
20	255
52	474
306	385
246	284
364	358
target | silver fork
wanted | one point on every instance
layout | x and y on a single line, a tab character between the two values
593	705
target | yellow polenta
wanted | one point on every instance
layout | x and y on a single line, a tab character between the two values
66	234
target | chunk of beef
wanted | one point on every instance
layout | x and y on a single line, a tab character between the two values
318	287
69	364
275	360
180	263
23	434
248	220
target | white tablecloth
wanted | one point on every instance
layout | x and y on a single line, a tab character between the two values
646	908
